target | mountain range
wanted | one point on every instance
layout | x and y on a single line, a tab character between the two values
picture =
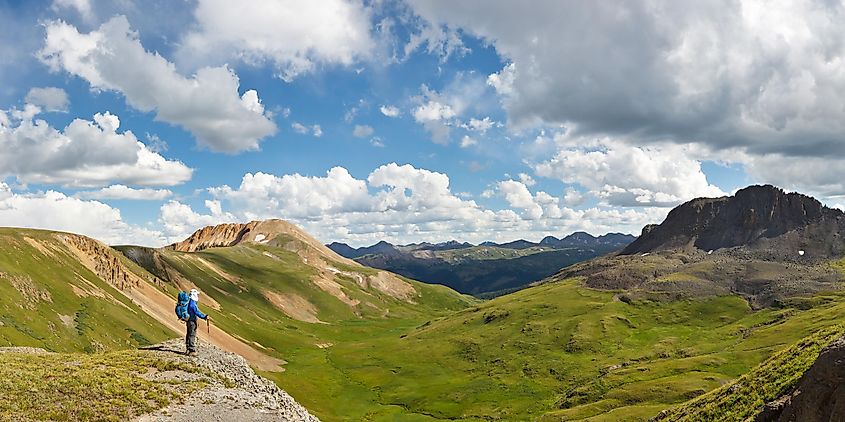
487	269
714	314
577	239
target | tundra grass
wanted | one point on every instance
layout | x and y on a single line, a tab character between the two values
81	387
561	352
743	398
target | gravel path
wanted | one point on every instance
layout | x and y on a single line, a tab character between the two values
252	398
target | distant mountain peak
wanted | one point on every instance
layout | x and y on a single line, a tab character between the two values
753	214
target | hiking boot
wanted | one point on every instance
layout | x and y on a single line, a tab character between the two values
190	354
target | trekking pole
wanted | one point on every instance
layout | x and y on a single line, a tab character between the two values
208	326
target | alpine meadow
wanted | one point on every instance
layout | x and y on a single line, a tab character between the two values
422	210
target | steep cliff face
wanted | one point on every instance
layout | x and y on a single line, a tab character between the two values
102	260
754	216
820	395
221	235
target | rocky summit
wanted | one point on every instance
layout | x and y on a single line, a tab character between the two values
757	217
761	243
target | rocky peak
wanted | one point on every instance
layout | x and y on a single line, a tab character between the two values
752	214
228	234
231	234
582	237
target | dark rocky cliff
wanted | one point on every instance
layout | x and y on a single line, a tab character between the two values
751	217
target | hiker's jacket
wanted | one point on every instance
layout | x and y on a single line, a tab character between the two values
194	312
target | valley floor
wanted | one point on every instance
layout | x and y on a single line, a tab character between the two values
555	352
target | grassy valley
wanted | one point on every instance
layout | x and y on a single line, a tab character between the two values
489	269
560	352
355	343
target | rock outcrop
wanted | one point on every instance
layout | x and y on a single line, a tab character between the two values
820	395
244	396
221	235
272	232
102	260
759	217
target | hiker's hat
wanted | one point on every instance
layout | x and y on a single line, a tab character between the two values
195	295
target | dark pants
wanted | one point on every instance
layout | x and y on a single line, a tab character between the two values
191	336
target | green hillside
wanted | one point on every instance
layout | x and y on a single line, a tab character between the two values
75	386
360	344
51	300
564	352
743	398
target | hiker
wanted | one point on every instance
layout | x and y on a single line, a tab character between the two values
193	314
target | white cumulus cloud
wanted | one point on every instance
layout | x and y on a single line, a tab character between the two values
748	77
626	175
399	203
389	110
83	154
294	35
53	210
49	98
126	192
207	104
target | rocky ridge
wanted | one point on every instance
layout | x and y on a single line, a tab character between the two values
244	396
763	244
759	218
101	259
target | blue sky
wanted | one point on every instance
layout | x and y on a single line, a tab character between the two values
139	122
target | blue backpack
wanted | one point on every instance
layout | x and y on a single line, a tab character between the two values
182	306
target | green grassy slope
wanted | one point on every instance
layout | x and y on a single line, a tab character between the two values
51	300
743	398
563	352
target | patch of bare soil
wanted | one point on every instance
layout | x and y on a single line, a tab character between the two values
40	247
294	306
392	285
326	284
